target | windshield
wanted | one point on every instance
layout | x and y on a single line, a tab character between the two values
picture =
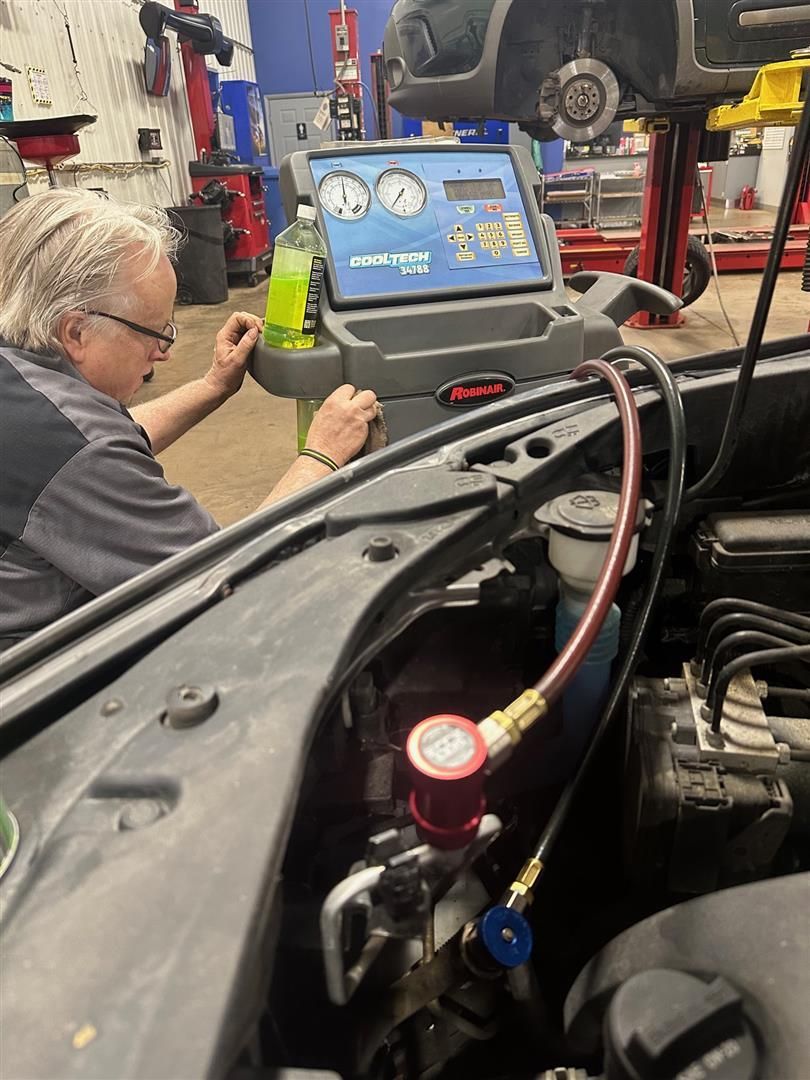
442	37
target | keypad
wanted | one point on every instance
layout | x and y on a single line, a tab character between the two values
491	238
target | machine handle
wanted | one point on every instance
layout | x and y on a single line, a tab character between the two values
619	297
296	373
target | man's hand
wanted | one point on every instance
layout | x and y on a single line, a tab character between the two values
340	427
234	344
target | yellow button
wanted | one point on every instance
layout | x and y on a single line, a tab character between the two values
463	247
485	244
496	254
465	256
479	226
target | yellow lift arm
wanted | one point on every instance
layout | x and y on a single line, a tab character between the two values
773	101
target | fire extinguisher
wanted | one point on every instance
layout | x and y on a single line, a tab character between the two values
748	197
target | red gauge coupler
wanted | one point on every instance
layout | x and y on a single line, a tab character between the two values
447	756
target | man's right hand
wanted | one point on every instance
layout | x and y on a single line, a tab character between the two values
340	427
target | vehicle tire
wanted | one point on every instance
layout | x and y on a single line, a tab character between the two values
697	274
541	132
184	296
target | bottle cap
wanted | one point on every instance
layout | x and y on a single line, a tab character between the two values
306	212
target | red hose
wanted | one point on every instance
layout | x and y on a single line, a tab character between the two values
558	676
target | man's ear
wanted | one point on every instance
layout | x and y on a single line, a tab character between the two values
72	334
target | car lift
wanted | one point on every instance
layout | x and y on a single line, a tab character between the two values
775	99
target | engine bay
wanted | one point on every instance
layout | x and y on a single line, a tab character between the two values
669	813
278	820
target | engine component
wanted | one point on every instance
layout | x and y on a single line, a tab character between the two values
579	526
756	554
698	815
447	756
505	936
744	740
358	892
664	1024
588	101
721	609
728	940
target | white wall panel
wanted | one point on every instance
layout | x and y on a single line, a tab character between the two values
109	47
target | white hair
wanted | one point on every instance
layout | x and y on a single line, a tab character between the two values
69	250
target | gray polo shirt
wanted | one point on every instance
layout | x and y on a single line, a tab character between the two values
84	505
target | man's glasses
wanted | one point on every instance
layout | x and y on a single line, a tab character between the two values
166	337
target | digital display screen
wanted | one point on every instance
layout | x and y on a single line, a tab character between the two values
470	190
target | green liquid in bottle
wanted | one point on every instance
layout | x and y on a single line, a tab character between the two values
295	285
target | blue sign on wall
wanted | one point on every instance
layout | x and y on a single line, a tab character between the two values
467	131
242	100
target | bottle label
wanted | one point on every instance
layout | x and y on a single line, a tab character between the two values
313	296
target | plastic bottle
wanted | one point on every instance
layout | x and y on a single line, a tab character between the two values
295	284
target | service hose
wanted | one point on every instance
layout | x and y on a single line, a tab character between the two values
576	649
504	729
520	893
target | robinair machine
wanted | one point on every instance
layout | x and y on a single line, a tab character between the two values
444	286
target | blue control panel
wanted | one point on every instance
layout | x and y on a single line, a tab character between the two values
418	224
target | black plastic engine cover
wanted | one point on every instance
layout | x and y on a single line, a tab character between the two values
755	937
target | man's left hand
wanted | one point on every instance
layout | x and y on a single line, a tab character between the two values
234	344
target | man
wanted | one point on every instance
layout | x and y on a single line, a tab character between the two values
87	291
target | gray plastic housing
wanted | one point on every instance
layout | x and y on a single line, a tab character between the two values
406	352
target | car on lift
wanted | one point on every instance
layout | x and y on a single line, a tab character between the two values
568	68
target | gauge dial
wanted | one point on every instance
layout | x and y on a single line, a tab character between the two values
401	192
344	195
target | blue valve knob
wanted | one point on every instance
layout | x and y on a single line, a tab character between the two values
506	936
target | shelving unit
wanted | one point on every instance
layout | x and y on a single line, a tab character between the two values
570	189
619	200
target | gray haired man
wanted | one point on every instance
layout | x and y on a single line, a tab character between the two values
87	292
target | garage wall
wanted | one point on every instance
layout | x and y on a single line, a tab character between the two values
109	47
283	63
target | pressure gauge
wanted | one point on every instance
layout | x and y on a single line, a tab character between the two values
344	195
401	192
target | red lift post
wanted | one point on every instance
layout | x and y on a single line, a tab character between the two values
667	215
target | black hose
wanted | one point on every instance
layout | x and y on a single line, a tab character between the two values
740	621
743	641
788	692
731	433
669	517
757	659
732	605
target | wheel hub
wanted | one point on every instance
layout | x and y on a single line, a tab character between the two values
583	99
588	101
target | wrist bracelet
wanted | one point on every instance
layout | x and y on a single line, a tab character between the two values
316	455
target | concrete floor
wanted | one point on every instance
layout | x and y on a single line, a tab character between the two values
232	460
